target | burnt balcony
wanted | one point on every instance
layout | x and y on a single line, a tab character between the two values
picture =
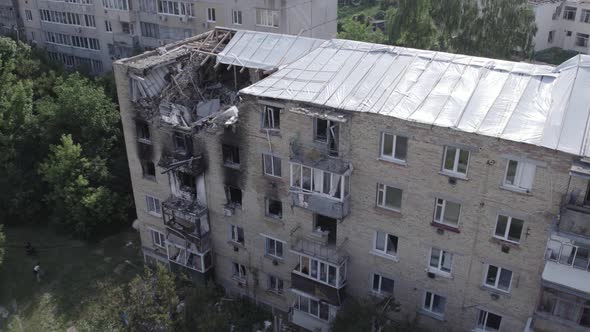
321	271
182	162
187	219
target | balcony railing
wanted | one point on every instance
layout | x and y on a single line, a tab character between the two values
577	257
185	253
187	219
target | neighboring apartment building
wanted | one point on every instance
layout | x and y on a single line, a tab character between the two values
9	17
95	32
450	190
562	23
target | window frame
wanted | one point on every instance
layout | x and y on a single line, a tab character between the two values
380	292
308	307
507	231
267	208
567	11
242	272
519	176
443	207
484	327
157	212
158	236
234	234
29	14
273	161
267	18
237	17
339	276
233	152
274	243
344	181
211	17
270	115
382	190
228	190
499	271
585	16
429	307
584	37
394	148
438	269
279	284
385	250
145	166
455	169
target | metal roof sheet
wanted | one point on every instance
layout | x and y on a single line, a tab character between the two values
535	104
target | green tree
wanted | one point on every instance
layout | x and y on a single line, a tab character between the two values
80	204
412	25
150	301
355	30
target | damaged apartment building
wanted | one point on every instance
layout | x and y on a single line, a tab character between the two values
450	191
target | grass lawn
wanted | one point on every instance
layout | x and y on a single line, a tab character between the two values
72	271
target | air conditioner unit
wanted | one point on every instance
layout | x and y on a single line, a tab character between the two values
431	275
183	19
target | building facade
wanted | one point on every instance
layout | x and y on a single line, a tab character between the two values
562	23
447	190
94	32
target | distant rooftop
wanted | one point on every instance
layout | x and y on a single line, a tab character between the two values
535	104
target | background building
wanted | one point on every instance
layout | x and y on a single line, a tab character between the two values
450	190
562	23
95	32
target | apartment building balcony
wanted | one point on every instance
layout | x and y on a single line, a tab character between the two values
184	161
320	273
188	219
322	187
184	255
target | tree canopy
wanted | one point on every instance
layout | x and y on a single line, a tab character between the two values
490	28
61	147
2	243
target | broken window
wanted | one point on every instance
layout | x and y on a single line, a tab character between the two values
275	284
327	132
143	131
455	161
237	234
382	285
326	225
231	155
519	175
274	208
385	243
498	278
149	169
274	247
487	321
234	196
272	165
434	303
389	197
179	143
447	212
319	181
440	261
394	147
239	271
508	228
188	182
271	118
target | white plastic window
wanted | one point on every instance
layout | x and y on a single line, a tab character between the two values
153	205
385	243
394	147
389	197
455	161
519	175
447	212
508	228
434	303
498	278
440	261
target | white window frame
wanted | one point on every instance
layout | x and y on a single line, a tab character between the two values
385	251
568	10
318	189
158	238
242	272
108	26
316	314
157	210
234	232
269	18
585	17
279	284
339	276
273	160
392	157
29	14
428	307
483	327
211	15
237	17
380	291
584	37
382	190
455	170
525	172
507	231
443	207
443	255
497	278
273	243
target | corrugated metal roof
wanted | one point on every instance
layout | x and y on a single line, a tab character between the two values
263	50
541	105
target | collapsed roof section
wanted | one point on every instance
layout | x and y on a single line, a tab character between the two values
178	85
540	105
